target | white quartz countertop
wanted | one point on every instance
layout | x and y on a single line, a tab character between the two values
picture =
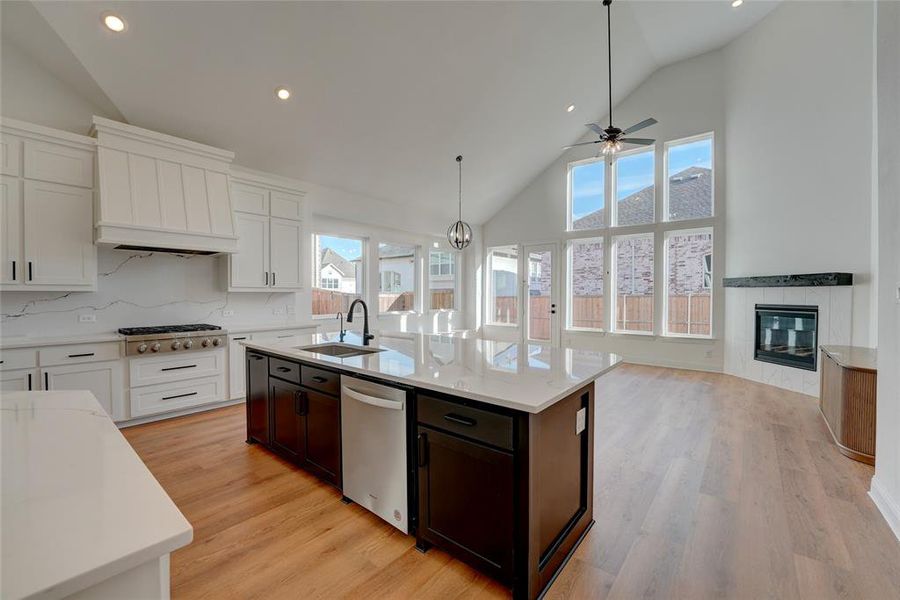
78	505
526	377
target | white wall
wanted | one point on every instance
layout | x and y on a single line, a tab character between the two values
687	99
799	121
886	483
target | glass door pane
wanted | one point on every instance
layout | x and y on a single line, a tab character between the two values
541	305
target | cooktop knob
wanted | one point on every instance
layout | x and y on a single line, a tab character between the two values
142	348
216	341
205	343
155	347
176	345
188	344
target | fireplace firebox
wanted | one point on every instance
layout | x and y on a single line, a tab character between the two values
787	335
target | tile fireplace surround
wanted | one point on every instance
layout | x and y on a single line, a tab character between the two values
835	304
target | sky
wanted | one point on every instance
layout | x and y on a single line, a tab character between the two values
634	172
348	248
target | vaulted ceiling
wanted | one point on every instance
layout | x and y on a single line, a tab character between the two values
385	94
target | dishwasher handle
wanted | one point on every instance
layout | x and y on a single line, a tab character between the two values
371	400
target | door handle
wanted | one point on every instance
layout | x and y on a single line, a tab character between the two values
283	369
422	450
177	368
179	396
319	379
267	278
237	339
29	382
82	355
255	356
30	271
273	278
301	403
14	270
460	419
46	381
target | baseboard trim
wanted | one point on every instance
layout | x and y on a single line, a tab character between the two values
889	507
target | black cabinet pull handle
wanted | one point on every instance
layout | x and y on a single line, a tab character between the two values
177	368
82	355
240	338
46	380
461	420
14	270
179	396
273	278
319	379
267	278
422	450
256	357
283	369
30	271
301	405
1	362
29	382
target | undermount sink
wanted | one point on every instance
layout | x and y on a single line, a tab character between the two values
339	350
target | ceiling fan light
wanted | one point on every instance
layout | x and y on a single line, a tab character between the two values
610	147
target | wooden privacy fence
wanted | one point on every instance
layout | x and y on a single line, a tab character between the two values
331	302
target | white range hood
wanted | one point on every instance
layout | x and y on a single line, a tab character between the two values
161	193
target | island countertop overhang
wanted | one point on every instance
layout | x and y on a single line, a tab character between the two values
524	377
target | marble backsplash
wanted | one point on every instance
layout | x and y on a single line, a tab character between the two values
145	289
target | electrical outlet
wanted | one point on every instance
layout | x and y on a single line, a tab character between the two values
87	318
277	310
580	420
227	313
289	309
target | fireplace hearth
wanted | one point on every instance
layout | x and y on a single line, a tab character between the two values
787	335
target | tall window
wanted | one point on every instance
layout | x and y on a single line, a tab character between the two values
397	277
689	276
635	191
503	288
442	280
338	275
633	269
587	195
586	270
689	179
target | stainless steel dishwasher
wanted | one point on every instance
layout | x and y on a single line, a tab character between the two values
373	440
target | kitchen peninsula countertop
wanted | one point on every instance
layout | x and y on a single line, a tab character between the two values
526	377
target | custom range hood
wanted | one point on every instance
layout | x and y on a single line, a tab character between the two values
159	193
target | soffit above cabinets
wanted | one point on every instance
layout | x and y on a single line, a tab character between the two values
162	192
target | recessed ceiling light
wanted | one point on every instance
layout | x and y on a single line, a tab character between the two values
113	22
736	3
570	108
282	93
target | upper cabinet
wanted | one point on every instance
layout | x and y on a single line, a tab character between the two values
269	216
159	191
47	209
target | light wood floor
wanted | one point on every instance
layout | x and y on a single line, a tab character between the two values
707	486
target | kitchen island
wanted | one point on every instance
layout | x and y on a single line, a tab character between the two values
82	516
500	437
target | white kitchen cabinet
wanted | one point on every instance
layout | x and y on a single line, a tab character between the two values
237	370
269	215
47	199
58	226
104	379
19	380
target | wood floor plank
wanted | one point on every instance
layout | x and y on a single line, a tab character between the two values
707	486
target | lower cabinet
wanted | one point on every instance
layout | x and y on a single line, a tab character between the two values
103	379
323	434
19	380
466	500
288	425
257	398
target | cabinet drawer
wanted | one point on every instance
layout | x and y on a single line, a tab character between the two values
481	425
79	353
58	164
21	358
286	206
168	368
319	379
165	397
284	369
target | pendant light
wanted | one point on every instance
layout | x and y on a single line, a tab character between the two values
460	233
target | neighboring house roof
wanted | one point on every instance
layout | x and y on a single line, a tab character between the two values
341	264
392	251
690	195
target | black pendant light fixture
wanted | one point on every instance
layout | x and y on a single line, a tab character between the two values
612	138
460	233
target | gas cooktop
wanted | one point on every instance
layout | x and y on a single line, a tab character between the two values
172	338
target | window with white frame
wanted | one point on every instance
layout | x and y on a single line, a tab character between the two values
503	285
585	284
633	176
587	194
338	273
633	280
688	275
397	277
689	178
442	280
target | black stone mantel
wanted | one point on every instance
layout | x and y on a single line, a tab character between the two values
805	280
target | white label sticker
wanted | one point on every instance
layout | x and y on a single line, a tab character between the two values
580	418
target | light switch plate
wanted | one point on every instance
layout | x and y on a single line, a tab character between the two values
227	313
87	318
580	418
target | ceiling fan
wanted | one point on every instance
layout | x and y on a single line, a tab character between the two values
612	137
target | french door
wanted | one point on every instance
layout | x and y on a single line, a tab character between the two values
541	294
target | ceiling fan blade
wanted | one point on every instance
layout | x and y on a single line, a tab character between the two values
638	141
595	128
641	125
582	144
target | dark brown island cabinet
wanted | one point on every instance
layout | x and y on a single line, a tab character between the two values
506	491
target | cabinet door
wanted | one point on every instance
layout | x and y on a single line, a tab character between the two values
237	363
288	435
103	379
18	380
257	398
466	500
250	264
286	206
250	199
59	235
10	231
58	163
323	435
287	266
